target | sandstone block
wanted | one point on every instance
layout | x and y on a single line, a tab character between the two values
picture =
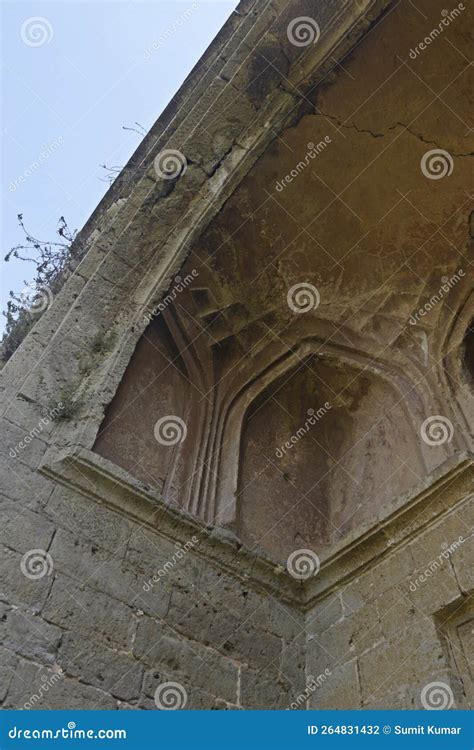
36	687
90	612
29	635
100	667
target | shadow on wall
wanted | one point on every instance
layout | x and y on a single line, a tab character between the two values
156	386
322	450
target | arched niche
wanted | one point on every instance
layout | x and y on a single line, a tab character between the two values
280	494
161	382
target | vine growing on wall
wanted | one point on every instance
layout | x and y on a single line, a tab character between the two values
52	261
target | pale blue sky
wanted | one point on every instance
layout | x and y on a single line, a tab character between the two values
102	65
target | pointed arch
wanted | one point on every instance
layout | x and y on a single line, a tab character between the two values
231	421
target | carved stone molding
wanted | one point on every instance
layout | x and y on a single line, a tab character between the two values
445	491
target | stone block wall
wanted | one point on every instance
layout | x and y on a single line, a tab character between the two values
94	631
108	613
384	634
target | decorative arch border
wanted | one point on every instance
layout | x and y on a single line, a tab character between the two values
451	371
192	355
222	503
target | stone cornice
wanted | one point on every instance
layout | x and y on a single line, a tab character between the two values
101	480
442	492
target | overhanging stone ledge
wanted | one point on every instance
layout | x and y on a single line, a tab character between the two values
102	481
403	520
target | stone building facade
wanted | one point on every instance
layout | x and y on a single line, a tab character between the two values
238	466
